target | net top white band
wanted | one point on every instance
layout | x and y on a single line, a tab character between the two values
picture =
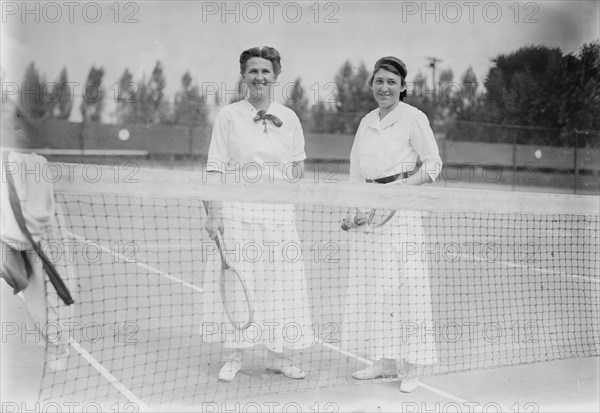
147	183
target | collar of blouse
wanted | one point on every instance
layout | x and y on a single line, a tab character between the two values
394	116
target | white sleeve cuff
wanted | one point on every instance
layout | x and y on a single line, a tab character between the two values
432	167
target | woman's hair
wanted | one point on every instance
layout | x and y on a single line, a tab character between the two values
264	52
392	69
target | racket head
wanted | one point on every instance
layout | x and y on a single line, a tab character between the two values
235	295
379	217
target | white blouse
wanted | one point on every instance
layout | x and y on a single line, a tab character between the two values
392	145
239	147
238	143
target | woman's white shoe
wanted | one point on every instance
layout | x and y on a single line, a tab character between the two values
411	373
409	385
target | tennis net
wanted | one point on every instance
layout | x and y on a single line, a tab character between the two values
467	280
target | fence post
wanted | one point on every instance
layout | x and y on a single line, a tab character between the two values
441	135
575	165
514	159
191	146
82	141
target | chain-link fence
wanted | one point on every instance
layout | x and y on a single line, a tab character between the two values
521	155
472	152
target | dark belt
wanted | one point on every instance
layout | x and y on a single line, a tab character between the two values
388	179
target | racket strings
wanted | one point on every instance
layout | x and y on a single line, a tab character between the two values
371	220
232	290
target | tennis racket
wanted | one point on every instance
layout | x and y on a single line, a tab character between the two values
378	218
234	292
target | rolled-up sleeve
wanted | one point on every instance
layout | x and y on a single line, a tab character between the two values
218	151
424	143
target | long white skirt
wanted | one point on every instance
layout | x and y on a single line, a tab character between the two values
269	258
388	309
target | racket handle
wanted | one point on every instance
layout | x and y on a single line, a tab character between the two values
360	220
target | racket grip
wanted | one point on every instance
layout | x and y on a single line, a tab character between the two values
360	220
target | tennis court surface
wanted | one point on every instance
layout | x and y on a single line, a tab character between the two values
513	279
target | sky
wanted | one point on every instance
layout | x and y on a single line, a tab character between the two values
314	39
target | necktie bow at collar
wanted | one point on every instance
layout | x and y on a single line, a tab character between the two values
262	115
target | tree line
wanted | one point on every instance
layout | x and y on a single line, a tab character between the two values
137	102
534	86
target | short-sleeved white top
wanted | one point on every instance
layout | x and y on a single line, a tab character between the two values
240	146
392	145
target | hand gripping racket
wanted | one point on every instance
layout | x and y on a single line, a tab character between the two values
234	292
371	219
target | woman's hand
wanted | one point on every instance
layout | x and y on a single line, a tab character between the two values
348	222
212	225
354	220
214	222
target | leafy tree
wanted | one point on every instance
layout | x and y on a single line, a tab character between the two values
524	87
154	106
446	76
468	87
33	97
580	100
65	100
419	85
127	98
446	91
189	109
467	101
143	102
446	95
540	86
354	97
322	119
93	96
297	100
421	97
